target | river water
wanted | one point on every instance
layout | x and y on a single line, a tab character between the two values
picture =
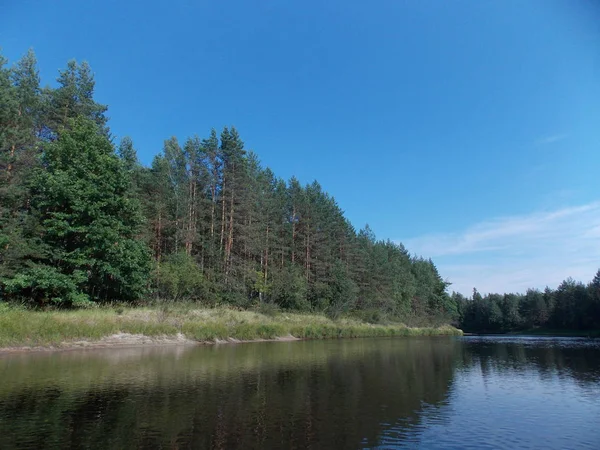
442	393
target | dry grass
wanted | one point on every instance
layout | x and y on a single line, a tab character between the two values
21	327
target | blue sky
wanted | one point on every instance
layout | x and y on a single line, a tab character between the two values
468	130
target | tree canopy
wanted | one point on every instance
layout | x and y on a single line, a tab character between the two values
571	306
82	220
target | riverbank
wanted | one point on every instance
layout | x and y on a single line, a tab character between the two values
23	330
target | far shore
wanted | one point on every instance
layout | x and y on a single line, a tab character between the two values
540	332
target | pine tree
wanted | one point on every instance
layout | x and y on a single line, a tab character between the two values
89	224
20	119
127	153
176	172
234	169
218	224
74	97
214	166
594	295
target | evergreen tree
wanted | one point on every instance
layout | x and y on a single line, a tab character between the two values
79	200
232	191
594	296
74	97
20	118
127	153
218	224
213	162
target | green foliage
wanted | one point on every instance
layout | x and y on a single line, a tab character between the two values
431	295
74	98
268	309
342	291
180	278
572	306
81	220
127	154
44	284
534	309
289	289
20	116
372	315
89	224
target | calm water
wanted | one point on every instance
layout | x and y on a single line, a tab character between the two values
441	393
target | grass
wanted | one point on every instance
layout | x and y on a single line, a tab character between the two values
20	327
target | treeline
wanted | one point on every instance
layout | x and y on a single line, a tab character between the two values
81	220
572	306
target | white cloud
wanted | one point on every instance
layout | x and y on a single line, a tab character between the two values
551	139
511	254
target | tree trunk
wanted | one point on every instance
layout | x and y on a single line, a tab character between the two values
223	217
158	238
293	235
281	243
212	211
230	237
267	256
12	156
307	253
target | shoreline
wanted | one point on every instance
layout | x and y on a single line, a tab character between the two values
128	341
24	330
585	334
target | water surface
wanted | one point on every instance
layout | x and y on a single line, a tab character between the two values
492	392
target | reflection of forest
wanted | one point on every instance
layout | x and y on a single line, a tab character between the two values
320	394
576	359
335	394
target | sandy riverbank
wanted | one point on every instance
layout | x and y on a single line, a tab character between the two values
25	330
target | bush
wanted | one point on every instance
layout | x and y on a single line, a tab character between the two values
180	278
45	284
268	309
289	289
372	315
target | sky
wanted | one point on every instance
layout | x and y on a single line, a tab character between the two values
467	130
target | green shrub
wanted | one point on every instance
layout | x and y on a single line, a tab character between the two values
45	284
268	309
289	289
180	278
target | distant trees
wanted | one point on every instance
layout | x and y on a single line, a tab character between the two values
572	306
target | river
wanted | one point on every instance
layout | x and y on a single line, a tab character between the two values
432	393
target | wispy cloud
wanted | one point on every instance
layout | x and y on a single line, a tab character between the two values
511	254
551	139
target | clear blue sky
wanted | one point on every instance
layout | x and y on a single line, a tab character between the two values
438	123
